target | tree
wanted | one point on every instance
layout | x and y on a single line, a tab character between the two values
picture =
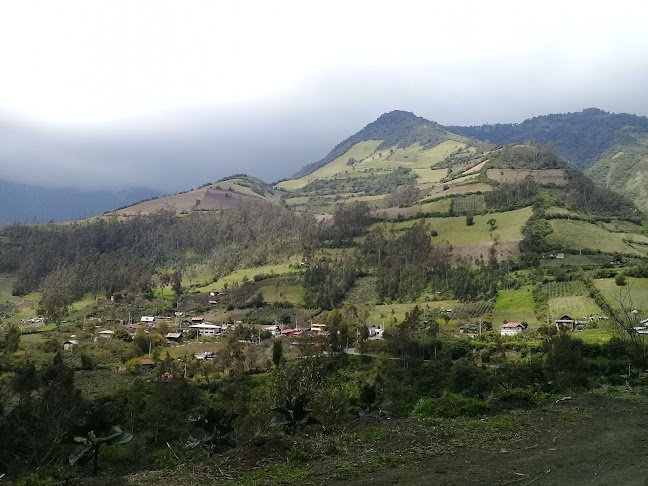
620	279
11	339
176	283
470	220
277	352
492	223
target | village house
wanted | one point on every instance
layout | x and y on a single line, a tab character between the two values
206	329
318	328
106	334
146	365
174	337
147	319
69	344
274	329
512	328
566	323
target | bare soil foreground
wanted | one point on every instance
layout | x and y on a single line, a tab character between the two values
593	439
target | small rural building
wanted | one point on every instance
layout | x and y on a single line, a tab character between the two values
146	365
512	329
318	328
206	329
174	337
197	320
290	332
274	329
560	256
215	293
566	323
69	345
106	334
147	319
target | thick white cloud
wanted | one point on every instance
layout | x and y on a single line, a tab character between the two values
214	87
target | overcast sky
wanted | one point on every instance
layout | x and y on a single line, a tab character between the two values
172	94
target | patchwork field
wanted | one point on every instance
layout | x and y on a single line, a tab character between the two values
579	234
545	176
514	306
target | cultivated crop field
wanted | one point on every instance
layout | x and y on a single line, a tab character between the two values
472	310
565	289
468	204
544	176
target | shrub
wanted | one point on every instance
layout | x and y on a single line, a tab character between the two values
450	405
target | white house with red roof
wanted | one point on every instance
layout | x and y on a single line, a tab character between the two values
512	328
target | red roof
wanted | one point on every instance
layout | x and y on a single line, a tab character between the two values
512	324
147	361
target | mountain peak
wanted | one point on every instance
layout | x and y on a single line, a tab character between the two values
396	128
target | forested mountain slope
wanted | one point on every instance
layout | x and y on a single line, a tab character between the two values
613	148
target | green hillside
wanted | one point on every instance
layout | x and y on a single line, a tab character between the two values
396	129
625	170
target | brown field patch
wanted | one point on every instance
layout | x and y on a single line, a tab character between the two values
506	250
545	176
217	199
454	190
177	203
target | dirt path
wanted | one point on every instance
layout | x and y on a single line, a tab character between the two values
593	441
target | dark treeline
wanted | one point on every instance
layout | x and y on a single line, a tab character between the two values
115	255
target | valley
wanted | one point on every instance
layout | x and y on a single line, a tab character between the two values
417	297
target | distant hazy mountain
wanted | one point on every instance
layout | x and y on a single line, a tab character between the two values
33	204
582	138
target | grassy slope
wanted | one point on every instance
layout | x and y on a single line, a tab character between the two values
282	291
577	307
579	234
635	293
237	276
625	171
455	231
359	152
514	306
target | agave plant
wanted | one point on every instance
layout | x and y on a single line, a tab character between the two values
294	416
95	432
371	401
217	428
